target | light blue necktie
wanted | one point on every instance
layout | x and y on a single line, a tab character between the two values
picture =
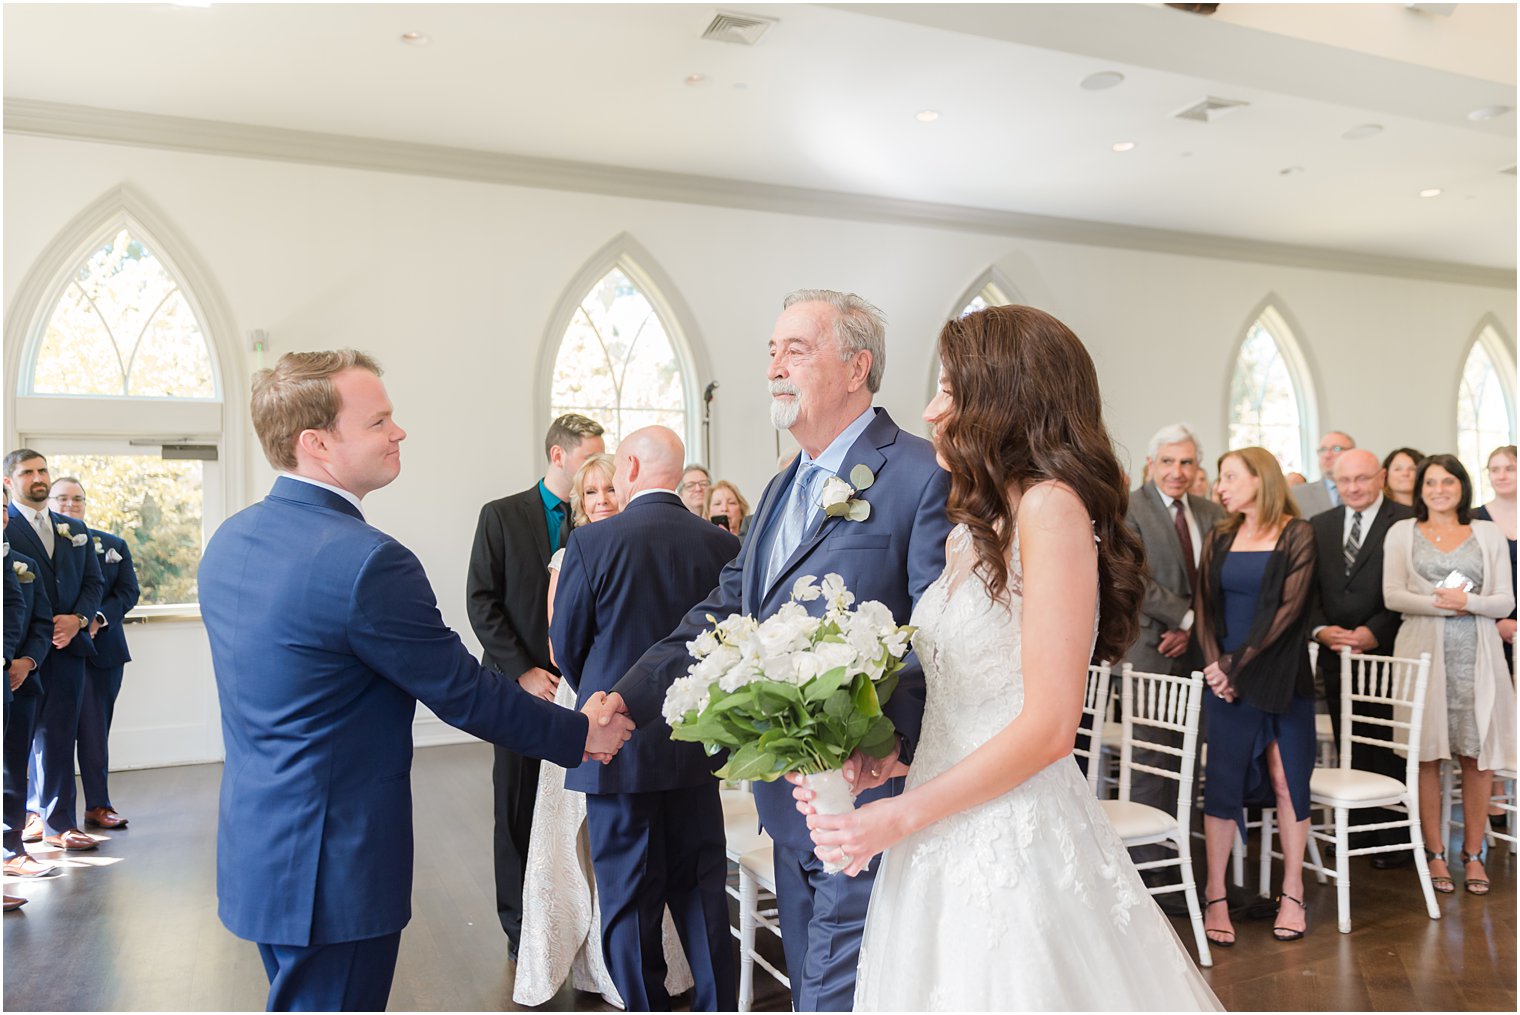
794	515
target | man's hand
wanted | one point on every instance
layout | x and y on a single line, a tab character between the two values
1332	636
65	627
540	682
864	772
608	726
1507	630
1173	643
19	671
1361	640
96	625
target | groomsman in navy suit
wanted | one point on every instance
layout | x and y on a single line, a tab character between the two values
654	815
28	639
324	636
71	575
103	670
827	355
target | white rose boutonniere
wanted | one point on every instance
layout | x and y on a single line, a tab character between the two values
99	546
67	533
839	498
112	556
23	573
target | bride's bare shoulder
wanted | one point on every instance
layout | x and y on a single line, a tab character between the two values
1052	506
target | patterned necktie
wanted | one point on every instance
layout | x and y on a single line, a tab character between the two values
1185	537
1353	541
42	522
794	515
561	534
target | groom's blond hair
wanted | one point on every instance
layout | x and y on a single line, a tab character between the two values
296	395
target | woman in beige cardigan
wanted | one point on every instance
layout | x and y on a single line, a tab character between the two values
1470	701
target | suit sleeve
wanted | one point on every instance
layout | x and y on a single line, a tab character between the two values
574	626
485	596
92	587
926	562
1397	594
643	686
1498	603
396	630
124	593
15	613
38	640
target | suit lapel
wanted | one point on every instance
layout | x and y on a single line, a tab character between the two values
1166	529
538	524
865	451
35	549
1374	532
759	532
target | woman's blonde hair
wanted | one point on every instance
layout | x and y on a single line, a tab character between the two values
1273	502
724	484
596	463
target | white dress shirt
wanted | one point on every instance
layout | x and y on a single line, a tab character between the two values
346	495
48	534
1368	514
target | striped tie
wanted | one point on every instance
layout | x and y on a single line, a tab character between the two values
794	515
1353	541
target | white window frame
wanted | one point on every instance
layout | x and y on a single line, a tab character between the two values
993	286
1276	322
1491	339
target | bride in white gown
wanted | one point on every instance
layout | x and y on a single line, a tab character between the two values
1005	886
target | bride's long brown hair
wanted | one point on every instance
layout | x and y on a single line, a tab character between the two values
1027	409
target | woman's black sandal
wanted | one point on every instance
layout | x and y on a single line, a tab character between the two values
1206	931
1286	933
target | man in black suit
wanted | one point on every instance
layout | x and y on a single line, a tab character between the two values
654	815
507	597
1348	608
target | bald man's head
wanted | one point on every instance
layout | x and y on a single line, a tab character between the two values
1359	477
648	459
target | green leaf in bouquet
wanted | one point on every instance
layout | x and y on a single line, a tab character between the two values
838	705
861	477
858	510
879	739
866	700
823	685
885	686
751	762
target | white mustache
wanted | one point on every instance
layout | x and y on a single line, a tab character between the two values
783	387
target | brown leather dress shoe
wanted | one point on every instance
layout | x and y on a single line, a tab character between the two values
23	866
13	902
104	817
72	839
34	828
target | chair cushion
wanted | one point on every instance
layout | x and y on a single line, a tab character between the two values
1353	787
760	863
1137	821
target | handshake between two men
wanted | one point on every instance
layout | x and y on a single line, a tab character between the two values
608	726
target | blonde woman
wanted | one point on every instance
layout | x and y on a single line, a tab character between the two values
561	933
1449	574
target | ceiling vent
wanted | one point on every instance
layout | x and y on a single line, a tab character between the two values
744	29
1210	109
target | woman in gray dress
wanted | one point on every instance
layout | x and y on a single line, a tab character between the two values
1448	573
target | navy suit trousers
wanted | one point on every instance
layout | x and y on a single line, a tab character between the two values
345	976
101	686
20	724
55	796
822	919
650	850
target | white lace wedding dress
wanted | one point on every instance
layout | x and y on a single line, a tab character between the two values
1029	901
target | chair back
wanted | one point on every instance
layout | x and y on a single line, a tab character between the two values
1153	702
1095	710
1383	705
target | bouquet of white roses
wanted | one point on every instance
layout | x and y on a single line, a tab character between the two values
795	693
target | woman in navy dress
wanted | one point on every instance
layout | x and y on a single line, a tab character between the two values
1252	623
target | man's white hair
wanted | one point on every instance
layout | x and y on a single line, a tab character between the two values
1175	433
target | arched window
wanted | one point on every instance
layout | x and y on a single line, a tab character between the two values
1485	407
991	289
621	359
119	385
1270	397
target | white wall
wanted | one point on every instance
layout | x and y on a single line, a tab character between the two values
451	284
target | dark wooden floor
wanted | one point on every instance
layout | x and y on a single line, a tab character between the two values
133	927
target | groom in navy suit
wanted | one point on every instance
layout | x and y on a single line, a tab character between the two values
324	636
827	355
653	812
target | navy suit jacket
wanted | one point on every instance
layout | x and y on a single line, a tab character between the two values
891	557
324	636
121	594
34	619
625	583
15	614
71	576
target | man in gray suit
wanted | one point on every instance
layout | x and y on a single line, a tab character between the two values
1172	523
1321	495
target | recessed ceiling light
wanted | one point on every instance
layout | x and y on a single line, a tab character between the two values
1123	146
1489	113
1362	131
1431	192
1102	80
415	39
695	79
1290	171
926	115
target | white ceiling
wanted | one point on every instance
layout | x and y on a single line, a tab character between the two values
827	100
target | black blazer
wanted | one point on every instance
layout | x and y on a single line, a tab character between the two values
1356	599
507	588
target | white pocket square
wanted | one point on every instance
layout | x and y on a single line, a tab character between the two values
112	556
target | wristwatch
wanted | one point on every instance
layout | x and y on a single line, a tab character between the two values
84	622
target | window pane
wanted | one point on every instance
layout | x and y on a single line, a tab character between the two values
123	314
1264	403
617	364
1484	418
155	505
978	302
